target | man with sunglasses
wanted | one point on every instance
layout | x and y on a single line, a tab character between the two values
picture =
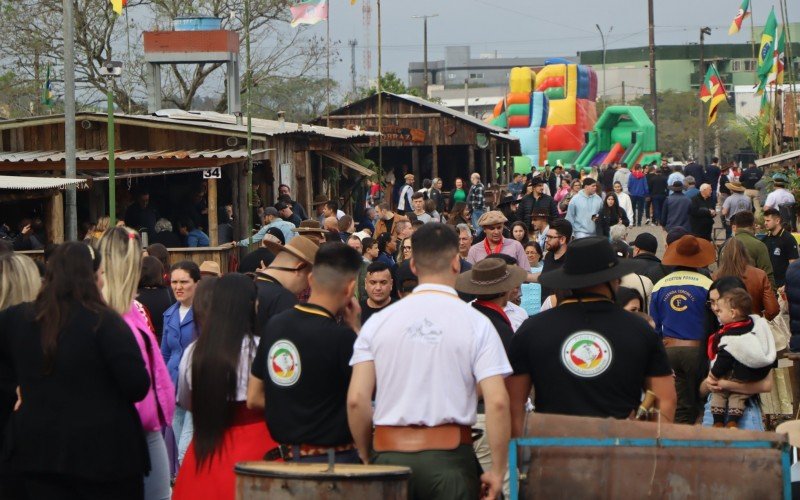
285	277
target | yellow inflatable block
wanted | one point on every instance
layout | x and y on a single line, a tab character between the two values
521	80
551	70
562	112
572	82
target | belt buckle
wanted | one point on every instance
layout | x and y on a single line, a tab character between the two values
285	453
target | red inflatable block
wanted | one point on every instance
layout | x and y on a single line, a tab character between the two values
550	82
519	121
564	138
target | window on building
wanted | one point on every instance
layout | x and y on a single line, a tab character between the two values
743	65
476	76
749	65
450	76
736	66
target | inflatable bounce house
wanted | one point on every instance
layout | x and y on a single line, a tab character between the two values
549	111
623	134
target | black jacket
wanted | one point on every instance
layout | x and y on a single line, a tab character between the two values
750	176
700	218
657	184
79	421
528	203
608	218
167	238
793	297
696	171
500	324
607	179
651	267
712	177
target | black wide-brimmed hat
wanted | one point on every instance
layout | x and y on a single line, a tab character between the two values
507	200
588	262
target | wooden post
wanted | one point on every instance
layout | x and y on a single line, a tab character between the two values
55	217
435	161
213	223
509	162
471	159
415	165
240	201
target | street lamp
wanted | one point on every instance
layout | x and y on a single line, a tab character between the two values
425	44
603	41
111	70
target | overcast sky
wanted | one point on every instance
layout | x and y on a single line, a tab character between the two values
517	28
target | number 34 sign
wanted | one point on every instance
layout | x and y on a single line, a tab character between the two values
212	173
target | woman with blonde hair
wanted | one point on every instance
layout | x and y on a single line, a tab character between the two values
735	261
19	280
121	253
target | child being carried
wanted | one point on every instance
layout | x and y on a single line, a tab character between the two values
743	350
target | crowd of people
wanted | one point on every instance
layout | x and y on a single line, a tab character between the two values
420	335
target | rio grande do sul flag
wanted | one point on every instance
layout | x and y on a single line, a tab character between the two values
309	12
736	25
118	5
713	89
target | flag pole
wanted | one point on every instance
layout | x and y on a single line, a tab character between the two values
69	120
788	69
328	68
753	45
380	96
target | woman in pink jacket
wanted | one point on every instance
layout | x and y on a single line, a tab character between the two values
121	251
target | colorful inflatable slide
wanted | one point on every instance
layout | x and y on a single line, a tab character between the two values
623	134
550	111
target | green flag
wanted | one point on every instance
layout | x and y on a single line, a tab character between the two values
47	91
765	53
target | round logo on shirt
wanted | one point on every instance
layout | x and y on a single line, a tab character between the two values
586	354
678	302
284	363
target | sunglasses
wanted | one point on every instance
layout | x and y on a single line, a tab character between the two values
406	249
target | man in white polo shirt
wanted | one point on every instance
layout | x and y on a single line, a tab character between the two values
428	354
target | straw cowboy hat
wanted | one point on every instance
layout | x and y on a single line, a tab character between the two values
792	431
588	262
690	251
310	226
490	277
210	268
491	218
735	186
300	246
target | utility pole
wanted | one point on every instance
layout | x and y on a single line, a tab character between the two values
652	43
701	72
353	44
69	120
466	96
603	41
425	45
623	92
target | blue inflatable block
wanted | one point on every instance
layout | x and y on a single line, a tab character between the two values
541	108
584	82
557	60
528	142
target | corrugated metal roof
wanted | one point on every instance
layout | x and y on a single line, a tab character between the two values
102	155
790	155
28	183
450	112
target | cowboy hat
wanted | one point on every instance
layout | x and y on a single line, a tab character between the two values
689	251
320	199
491	218
507	200
210	268
300	247
310	226
792	431
780	179
588	262
735	186
540	213
490	277
676	186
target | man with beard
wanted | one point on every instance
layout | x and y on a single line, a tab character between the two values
536	200
379	290
493	223
387	223
556	241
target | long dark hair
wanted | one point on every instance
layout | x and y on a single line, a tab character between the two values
616	208
215	361
456	212
69	281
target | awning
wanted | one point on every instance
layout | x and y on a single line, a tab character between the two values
17	182
778	158
347	162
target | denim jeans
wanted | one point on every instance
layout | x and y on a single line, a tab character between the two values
183	427
750	421
156	483
476	215
658	204
638	209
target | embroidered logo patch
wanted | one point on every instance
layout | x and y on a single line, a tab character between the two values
284	363
586	354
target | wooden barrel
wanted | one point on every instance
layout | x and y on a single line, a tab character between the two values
278	481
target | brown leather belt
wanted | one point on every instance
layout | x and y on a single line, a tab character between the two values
420	438
673	342
286	452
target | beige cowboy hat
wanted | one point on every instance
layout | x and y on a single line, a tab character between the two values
300	246
210	268
489	277
310	226
491	218
792	431
735	186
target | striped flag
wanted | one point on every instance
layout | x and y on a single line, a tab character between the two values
309	12
736	25
47	91
118	5
713	90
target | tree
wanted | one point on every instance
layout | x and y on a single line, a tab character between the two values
301	98
390	82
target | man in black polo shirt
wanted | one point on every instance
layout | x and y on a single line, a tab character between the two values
781	245
301	369
378	285
285	277
596	358
555	244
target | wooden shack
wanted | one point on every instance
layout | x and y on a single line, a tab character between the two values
428	139
177	155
